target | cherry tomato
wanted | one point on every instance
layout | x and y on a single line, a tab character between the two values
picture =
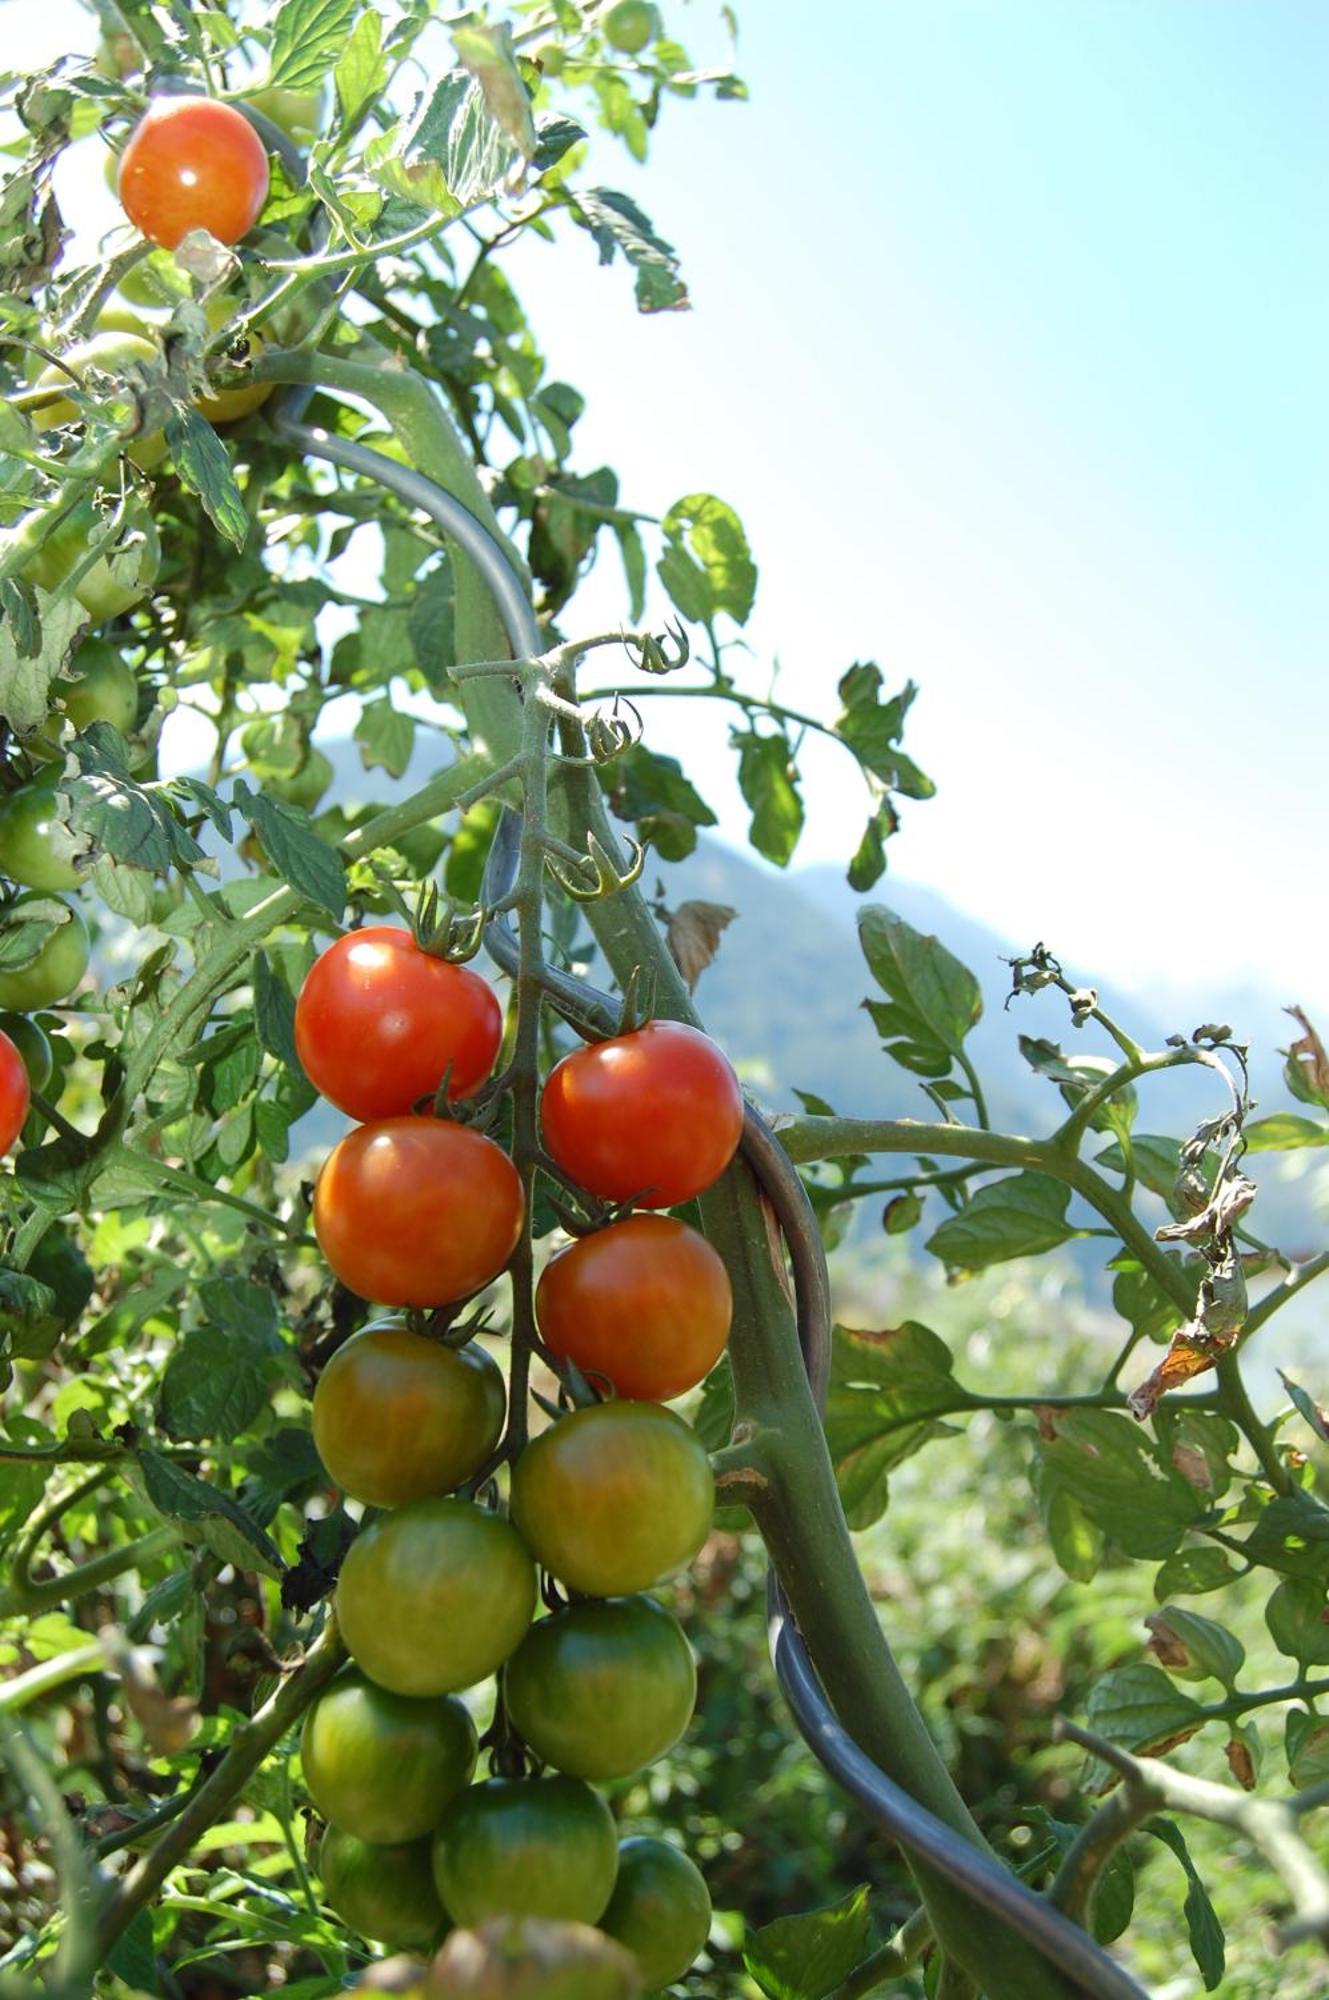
526	1847
417	1211
110	351
630	26
398	1417
305	787
383	1892
379	1020
101	688
614	1497
227	406
55	971
652	1117
384	1766
299	113
660	1909
435	1596
34	1048
119	577
601	1690
191	163
29	840
15	1091
646	1304
532	1958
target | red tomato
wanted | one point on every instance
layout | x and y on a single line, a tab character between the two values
417	1211
652	1117
191	163
645	1303
14	1093
379	1020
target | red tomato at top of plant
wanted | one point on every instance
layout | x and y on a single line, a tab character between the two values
379	1020
417	1211
192	163
14	1093
652	1117
645	1303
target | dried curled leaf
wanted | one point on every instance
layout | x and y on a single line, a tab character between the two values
693	935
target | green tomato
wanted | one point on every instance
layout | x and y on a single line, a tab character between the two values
601	1690
102	688
306	786
660	1909
117	56
533	1958
32	1045
526	1847
383	1892
630	26
115	581
110	351
29	840
299	113
552	58
385	1766
612	1498
435	1596
397	1417
58	1262
56	970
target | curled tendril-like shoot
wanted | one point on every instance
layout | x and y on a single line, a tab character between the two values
456	936
638	999
664	654
609	735
572	1220
602	877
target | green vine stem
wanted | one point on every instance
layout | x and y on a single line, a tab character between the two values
250	1743
77	1958
48	1675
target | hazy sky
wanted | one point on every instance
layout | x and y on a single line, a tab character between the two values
1009	347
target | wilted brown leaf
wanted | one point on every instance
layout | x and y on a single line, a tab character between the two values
694	934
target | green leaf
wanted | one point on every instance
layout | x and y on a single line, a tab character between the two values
768	781
204	467
207	1513
1077	1540
1284	1132
213	1387
1021	1215
297	853
133	1956
361	70
1139	1708
1195	1648
1107	1463
807	1957
933	999
653	794
1204	1930
25	928
869	862
274	1015
888	1390
451	157
31	658
1306	1746
617	224
308	38
1193	1572
1297	1615
386	737
1142	1303
487	52
707	566
1291	1536
1306	1406
872	729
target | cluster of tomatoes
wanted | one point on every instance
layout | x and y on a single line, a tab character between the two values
438	1591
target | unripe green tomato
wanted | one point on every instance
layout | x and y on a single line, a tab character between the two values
526	1847
397	1417
299	113
660	1909
385	1766
630	26
383	1892
552	59
28	841
601	1690
32	1045
56	970
306	786
117	57
533	1958
227	406
115	581
111	350
102	688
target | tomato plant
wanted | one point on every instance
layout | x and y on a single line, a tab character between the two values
417	1212
382	1891
30	843
110	351
630	26
397	1417
653	1117
602	1690
58	963
660	1909
384	1766
380	1023
15	1090
434	1596
118	576
644	1304
192	163
101	688
614	1497
526	1847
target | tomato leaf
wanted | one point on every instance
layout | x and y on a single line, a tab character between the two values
487	52
707	566
294	849
1139	1709
204	466
617	224
651	792
386	736
1203	1928
308	38
207	1514
807	1957
1298	1619
1020	1215
933	1000
361	70
768	780
1116	1474
1284	1132
888	1391
274	1015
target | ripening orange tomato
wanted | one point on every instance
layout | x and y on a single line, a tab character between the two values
646	1304
192	163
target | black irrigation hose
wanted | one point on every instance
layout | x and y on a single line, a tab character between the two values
588	1009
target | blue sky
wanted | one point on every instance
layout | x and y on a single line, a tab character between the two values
1009	346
